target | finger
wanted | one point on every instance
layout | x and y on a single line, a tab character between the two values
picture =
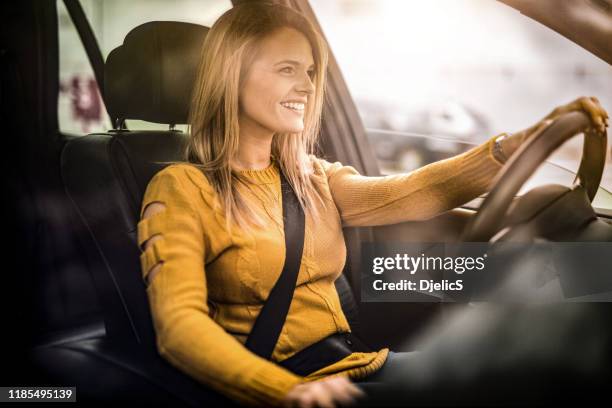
353	389
307	400
602	112
356	391
321	394
341	391
596	103
600	109
324	399
596	117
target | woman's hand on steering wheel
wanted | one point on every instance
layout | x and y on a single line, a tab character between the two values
589	105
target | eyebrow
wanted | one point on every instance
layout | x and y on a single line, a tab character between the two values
292	62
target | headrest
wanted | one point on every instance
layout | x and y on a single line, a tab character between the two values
151	75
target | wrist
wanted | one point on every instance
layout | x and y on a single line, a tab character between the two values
499	149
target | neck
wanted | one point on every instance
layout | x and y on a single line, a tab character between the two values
254	149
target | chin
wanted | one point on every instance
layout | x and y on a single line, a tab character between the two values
291	129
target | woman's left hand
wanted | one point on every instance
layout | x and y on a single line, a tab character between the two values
589	105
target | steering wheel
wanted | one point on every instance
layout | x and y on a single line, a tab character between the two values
526	160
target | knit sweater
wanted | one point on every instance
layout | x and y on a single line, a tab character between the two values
212	285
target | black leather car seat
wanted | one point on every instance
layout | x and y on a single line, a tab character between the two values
149	78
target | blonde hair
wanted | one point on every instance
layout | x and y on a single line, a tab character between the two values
227	52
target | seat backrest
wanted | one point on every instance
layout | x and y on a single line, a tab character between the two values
150	78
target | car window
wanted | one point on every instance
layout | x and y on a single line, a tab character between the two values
431	79
80	107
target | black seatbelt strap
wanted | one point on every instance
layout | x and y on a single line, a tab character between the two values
271	318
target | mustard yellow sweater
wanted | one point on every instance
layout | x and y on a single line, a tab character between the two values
212	285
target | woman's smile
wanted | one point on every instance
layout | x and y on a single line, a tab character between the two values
296	107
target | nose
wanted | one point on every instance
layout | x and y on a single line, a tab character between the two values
306	86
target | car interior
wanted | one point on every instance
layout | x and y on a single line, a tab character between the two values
84	318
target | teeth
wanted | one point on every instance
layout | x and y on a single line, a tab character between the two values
293	105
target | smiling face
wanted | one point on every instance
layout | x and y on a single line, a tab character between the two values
278	84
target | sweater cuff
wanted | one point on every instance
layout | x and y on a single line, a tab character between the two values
274	384
480	165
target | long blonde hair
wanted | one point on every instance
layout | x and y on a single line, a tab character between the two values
227	52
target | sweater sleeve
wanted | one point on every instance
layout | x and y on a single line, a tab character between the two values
418	195
186	336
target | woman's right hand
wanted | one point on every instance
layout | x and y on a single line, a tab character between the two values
323	393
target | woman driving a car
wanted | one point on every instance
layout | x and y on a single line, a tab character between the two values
211	227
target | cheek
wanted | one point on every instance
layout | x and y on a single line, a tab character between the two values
260	101
258	97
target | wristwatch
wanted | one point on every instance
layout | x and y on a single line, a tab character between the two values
498	150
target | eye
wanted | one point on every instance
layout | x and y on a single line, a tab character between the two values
288	70
311	73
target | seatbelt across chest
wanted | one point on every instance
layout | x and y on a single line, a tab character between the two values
271	318
269	323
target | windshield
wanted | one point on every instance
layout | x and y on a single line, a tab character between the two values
431	79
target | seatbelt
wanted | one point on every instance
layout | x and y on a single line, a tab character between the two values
269	323
271	318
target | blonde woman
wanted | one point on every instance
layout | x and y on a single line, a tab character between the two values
211	227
